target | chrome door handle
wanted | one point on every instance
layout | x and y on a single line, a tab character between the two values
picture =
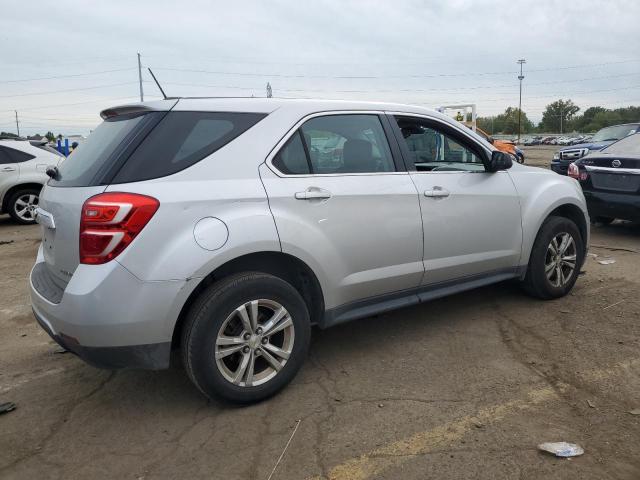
313	194
8	169
437	192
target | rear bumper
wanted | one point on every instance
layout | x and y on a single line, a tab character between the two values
613	205
151	357
110	318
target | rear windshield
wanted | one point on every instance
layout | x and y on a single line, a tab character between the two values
93	156
133	148
627	146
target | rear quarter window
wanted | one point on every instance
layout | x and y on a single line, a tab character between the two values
182	139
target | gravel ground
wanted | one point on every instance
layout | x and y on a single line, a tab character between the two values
464	387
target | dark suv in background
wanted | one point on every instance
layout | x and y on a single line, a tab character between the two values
603	138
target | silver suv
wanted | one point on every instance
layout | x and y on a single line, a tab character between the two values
226	228
22	175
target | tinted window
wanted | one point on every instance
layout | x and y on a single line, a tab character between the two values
96	154
430	148
180	140
292	159
11	155
4	157
337	144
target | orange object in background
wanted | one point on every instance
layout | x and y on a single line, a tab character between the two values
502	145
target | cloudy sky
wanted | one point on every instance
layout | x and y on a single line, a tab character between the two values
64	61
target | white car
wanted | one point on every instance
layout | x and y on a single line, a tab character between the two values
23	166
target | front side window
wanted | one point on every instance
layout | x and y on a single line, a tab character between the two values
431	149
337	144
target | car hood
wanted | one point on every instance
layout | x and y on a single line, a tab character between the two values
590	146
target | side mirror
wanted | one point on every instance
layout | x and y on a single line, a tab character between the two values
499	161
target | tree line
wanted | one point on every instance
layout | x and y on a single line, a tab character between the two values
561	116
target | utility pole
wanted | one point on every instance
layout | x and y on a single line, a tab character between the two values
520	77
561	115
17	123
269	91
140	78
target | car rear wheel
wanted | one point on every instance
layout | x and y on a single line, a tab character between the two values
22	206
555	260
246	337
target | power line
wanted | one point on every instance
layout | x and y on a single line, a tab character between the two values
67	76
67	90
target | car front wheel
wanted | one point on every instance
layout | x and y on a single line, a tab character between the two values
556	258
246	337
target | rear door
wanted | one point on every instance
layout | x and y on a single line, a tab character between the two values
9	171
341	204
471	218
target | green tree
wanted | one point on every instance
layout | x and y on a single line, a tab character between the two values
506	122
557	116
50	136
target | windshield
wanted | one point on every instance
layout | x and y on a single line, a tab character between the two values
627	146
614	133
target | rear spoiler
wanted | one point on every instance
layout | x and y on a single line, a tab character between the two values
157	106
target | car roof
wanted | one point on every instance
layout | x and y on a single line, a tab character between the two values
269	105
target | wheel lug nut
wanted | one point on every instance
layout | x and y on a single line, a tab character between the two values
245	350
259	331
265	340
257	352
247	336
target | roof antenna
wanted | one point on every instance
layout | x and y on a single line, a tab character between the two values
157	83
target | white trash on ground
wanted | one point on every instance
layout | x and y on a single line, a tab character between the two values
561	449
606	261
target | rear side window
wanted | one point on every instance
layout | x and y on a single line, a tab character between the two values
337	144
10	155
182	139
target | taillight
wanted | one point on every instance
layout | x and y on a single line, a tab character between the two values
110	221
573	171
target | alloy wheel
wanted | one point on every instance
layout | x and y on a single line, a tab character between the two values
25	207
254	343
560	261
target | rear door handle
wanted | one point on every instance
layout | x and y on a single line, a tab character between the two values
312	193
437	192
8	169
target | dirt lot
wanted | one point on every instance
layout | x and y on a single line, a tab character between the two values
464	387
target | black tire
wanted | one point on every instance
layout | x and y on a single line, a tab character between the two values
12	206
209	313
536	282
602	220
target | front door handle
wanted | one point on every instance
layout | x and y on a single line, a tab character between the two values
8	169
437	192
313	193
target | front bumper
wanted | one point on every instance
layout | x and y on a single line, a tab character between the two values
110	318
625	206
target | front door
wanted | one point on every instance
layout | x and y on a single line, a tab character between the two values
471	218
341	205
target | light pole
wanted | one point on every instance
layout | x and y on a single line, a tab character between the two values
520	77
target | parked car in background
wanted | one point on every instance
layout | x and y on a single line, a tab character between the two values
22	174
604	137
227	227
506	146
610	180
